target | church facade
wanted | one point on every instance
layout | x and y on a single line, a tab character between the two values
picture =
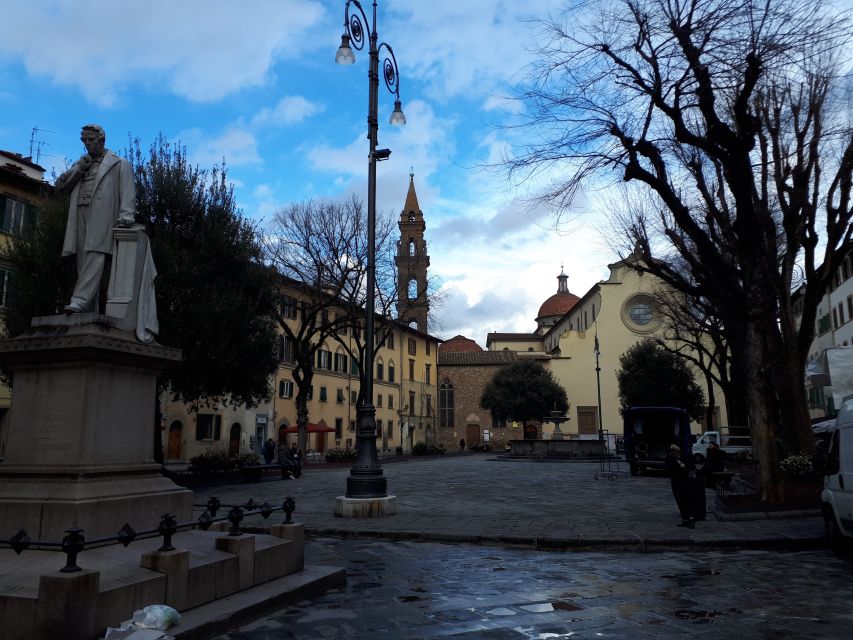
580	340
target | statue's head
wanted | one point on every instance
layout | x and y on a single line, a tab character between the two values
93	138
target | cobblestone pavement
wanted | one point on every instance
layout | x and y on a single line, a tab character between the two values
406	590
475	498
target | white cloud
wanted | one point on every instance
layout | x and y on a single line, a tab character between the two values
425	144
237	145
499	286
102	46
289	110
503	104
466	49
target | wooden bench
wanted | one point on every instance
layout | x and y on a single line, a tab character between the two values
253	472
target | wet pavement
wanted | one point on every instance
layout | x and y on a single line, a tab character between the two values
407	590
562	551
474	498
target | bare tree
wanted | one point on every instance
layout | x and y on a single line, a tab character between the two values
320	249
692	331
721	112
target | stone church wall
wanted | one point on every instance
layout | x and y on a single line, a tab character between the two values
468	384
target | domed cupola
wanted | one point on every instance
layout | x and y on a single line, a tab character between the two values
558	304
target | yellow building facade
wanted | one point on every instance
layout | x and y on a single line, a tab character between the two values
404	377
403	387
619	311
21	186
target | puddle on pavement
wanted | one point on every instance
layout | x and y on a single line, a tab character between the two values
697	615
361	586
410	598
631	608
561	605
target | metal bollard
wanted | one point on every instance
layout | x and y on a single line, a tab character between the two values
288	506
168	527
72	544
235	516
213	505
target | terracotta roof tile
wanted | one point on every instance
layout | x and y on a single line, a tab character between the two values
476	358
458	344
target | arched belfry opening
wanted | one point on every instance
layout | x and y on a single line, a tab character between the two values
412	263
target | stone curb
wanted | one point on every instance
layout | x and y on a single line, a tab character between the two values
574	543
765	515
225	614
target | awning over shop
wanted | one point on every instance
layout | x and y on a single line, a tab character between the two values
313	427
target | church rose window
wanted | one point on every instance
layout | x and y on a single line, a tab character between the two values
641	313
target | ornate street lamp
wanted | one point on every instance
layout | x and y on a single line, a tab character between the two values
598	385
366	479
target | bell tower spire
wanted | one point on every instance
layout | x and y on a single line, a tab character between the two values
412	262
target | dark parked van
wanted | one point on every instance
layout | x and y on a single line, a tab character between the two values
648	432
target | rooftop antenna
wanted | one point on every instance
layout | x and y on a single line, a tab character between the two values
33	140
39	154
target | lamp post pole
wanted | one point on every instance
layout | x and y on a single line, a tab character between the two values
366	479
598	384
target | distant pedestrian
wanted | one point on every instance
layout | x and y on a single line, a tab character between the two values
462	445
295	456
679	475
269	451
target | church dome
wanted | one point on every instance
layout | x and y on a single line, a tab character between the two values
459	344
560	303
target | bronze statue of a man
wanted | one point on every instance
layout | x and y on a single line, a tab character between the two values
103	194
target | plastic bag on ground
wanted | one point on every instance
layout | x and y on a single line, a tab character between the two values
156	616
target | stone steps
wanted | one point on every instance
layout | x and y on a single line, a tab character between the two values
36	599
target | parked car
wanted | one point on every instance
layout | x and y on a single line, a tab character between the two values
732	440
648	432
837	495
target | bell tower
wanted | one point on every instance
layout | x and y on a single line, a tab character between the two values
412	262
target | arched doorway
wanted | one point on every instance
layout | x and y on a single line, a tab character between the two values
234	440
530	432
175	442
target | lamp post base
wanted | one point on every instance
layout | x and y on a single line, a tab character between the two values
365	507
368	486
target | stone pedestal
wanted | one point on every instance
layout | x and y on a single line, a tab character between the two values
79	449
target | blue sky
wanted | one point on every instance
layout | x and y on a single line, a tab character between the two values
255	82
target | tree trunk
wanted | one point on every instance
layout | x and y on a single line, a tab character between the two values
759	392
794	411
302	420
711	404
736	406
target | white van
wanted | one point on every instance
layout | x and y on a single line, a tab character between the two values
837	495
